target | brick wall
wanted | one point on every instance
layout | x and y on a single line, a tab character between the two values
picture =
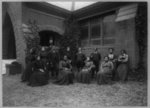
45	21
14	10
125	39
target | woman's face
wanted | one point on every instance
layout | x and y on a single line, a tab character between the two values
106	59
50	41
122	52
43	49
65	57
79	49
110	50
38	58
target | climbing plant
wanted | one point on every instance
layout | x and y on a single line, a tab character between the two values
32	38
141	35
71	36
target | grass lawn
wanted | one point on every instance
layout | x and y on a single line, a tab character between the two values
91	95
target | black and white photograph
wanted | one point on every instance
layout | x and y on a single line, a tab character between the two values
74	54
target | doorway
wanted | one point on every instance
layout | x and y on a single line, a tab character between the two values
46	35
8	39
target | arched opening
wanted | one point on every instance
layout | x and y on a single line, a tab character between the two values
8	38
46	35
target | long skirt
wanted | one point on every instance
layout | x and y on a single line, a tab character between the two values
80	65
27	73
38	79
114	75
65	78
104	77
122	72
84	77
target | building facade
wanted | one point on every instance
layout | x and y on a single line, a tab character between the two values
103	25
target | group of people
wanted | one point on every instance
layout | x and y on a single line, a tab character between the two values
47	64
110	68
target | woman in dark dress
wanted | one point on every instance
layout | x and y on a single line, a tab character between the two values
105	73
40	75
96	58
85	74
30	59
122	69
65	74
53	62
112	57
80	58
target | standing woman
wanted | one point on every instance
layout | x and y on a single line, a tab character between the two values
96	58
30	59
122	69
105	73
80	58
112	57
40	75
53	62
65	73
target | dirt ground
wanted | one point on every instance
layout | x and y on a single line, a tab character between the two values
91	95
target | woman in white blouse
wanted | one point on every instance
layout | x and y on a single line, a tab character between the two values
112	57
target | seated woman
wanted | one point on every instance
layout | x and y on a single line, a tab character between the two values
86	73
65	74
40	75
105	73
122	69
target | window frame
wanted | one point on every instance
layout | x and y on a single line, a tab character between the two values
101	36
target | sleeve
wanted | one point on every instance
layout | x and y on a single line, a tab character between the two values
126	58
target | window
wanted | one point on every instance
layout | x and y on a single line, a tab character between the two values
84	32
109	26
95	28
109	29
99	31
